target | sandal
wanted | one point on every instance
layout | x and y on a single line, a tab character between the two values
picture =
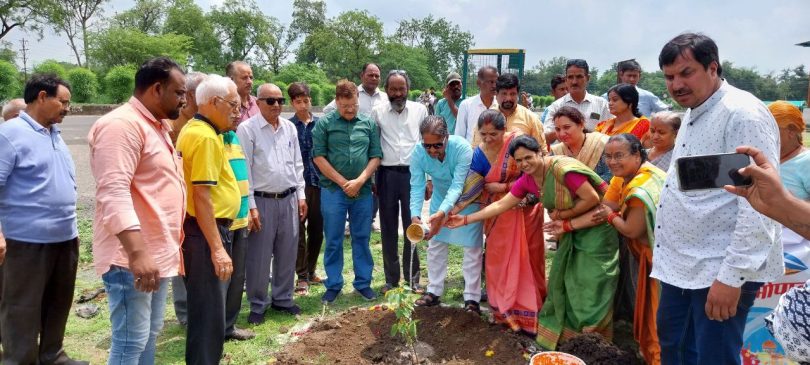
428	300
302	288
315	280
417	289
472	306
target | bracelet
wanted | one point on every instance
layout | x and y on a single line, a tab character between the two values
567	226
612	216
465	221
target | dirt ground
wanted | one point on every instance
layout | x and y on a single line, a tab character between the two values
361	336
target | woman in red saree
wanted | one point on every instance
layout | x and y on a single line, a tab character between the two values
515	264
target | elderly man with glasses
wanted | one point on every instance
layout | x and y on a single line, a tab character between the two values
277	201
346	150
399	133
446	159
212	204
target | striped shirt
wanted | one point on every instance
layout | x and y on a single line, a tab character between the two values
592	107
236	157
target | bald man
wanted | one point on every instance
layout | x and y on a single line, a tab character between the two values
277	204
13	108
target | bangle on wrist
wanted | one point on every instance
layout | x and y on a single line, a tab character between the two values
567	226
465	221
611	217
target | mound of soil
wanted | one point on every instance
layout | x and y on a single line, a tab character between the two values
596	350
446	336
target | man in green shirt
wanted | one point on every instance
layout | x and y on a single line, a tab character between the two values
447	108
346	150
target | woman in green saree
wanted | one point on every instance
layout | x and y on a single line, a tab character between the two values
584	271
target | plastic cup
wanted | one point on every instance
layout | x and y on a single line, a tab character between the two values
416	232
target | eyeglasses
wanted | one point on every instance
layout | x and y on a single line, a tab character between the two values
232	103
272	101
617	157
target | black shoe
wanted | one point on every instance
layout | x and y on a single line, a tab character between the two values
367	293
293	309
255	318
330	296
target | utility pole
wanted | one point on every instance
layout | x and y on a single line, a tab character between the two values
24	50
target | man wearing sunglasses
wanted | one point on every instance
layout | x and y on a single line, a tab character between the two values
277	201
399	133
446	159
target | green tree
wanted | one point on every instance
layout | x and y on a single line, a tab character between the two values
297	72
279	45
120	46
537	81
327	93
347	42
147	16
9	81
242	30
84	84
119	83
793	83
655	83
72	18
51	67
444	43
397	56
308	17
25	15
6	52
184	17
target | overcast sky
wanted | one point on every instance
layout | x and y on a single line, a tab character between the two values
749	33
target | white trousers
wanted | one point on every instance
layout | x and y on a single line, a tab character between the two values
470	266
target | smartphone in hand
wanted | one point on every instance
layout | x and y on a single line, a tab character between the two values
712	171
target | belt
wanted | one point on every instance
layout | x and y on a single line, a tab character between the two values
225	222
280	195
398	168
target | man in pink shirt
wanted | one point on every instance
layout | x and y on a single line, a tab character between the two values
140	206
242	75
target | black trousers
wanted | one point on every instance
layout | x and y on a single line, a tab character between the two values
206	296
394	191
236	286
310	235
36	300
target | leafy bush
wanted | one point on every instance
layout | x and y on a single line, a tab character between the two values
327	93
537	101
315	95
51	67
299	72
84	85
414	94
119	83
9	82
283	87
256	84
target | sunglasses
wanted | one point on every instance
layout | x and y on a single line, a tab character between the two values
436	146
272	101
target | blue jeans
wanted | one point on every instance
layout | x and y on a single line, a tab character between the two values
688	336
334	207
136	317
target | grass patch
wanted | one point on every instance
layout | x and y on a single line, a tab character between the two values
89	339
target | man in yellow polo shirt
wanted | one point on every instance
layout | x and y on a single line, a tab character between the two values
518	118
213	203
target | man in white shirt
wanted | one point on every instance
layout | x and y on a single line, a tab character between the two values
273	157
630	73
369	95
471	108
399	133
594	108
712	250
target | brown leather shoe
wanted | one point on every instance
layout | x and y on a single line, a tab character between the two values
240	334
